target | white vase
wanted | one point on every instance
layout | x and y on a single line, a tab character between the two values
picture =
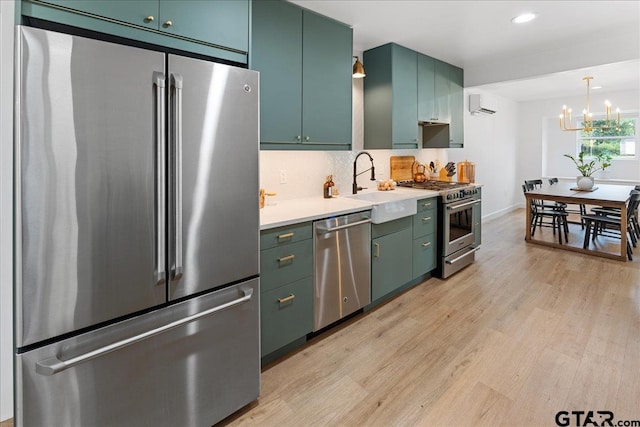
585	182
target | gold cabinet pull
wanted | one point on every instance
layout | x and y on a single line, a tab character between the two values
167	23
286	258
285	236
149	18
377	246
425	219
286	299
424	245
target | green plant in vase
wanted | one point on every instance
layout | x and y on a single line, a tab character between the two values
587	167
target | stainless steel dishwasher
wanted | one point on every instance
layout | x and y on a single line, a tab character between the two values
342	260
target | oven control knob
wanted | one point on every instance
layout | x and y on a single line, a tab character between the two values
449	196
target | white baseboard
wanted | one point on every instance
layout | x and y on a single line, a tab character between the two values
502	212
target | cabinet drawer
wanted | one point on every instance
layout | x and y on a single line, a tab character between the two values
286	314
427	204
424	254
284	235
286	264
424	223
378	230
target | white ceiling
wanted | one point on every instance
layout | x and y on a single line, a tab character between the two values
476	33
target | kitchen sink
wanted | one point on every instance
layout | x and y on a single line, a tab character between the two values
388	205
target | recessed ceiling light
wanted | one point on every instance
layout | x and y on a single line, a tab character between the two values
524	17
596	87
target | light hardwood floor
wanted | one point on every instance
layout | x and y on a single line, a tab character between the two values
523	333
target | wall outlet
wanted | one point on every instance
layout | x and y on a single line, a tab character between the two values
283	176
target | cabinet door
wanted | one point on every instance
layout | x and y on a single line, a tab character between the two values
426	88
326	82
424	255
276	52
456	96
441	84
132	11
286	314
220	22
391	262
405	98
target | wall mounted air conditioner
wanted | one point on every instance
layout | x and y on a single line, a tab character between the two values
482	104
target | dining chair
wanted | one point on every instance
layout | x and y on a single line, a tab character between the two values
580	209
605	224
600	210
551	216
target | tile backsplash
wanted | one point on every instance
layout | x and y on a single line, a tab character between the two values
305	171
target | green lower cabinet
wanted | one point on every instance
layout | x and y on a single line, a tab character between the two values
286	264
424	254
391	262
286	314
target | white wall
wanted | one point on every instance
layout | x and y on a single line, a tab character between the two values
492	143
6	205
546	143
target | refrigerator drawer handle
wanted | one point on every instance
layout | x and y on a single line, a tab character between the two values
54	365
322	230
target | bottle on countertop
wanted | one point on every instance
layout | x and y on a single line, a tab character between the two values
327	190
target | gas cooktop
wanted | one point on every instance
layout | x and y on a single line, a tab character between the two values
432	185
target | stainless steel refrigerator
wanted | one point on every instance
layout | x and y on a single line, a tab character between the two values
136	235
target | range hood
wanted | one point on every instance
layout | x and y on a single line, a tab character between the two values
435	134
427	124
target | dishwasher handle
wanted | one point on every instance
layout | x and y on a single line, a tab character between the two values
54	365
323	230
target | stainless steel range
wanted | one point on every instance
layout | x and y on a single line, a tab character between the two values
459	223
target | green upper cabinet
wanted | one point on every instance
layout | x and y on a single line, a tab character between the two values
222	22
457	106
440	99
216	28
426	88
137	12
304	60
404	87
276	51
390	98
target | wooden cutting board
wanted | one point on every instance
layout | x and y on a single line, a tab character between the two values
401	167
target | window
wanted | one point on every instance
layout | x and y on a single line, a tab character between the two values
619	142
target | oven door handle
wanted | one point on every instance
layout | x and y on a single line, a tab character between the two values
453	261
463	205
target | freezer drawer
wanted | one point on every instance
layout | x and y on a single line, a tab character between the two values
192	374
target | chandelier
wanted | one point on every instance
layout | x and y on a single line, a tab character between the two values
587	116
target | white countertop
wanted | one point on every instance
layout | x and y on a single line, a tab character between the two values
294	211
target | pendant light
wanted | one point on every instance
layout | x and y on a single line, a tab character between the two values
587	116
358	69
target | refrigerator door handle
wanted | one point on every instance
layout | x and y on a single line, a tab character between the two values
159	83
176	82
53	365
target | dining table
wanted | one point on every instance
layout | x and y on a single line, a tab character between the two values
606	195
